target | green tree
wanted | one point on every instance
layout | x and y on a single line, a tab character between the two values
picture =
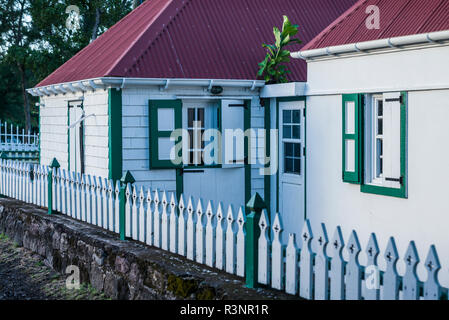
273	68
35	41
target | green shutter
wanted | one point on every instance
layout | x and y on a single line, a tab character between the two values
352	138
115	134
165	116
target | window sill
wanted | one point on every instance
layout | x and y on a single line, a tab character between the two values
384	191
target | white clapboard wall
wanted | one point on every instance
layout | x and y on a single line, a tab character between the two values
215	236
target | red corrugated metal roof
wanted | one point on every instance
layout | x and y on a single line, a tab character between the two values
197	39
397	18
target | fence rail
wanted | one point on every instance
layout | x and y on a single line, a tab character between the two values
14	139
228	239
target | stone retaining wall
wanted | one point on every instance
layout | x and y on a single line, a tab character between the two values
122	269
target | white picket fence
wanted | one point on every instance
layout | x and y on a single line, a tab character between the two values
208	235
316	275
201	233
17	140
81	197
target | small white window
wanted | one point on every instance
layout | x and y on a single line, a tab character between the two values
383	140
291	139
198	120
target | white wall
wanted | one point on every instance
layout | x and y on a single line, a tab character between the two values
422	217
135	124
53	130
136	142
414	69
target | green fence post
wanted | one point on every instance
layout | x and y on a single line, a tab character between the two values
256	205
54	164
127	178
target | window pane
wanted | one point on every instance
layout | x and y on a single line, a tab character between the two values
165	119
287	116
199	158
165	146
380	108
380	127
201	138
350	117
297	166
288	165
297	116
201	118
288	149
380	146
297	150
191	117
350	156
287	133
296	132
379	161
191	139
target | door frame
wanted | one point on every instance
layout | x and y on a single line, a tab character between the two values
69	102
292	99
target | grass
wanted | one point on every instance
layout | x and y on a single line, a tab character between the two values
4	237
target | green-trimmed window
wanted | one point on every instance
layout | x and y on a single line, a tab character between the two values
165	117
375	142
352	110
385	132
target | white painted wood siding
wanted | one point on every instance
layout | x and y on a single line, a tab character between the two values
53	130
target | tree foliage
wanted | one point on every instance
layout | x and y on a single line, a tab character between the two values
273	68
35	41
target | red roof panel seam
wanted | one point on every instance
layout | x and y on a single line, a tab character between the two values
381	35
442	2
320	37
125	53
165	29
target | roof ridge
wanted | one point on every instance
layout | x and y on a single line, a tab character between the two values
334	24
137	38
165	28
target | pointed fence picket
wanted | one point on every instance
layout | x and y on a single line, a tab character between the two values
200	234
210	236
264	250
164	223
219	241
230	242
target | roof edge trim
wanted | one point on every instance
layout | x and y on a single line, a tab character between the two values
438	37
120	83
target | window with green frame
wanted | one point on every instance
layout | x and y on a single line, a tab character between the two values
374	142
165	117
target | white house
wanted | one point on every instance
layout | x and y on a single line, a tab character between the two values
165	66
373	117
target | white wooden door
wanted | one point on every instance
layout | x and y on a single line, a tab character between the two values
291	166
219	182
75	137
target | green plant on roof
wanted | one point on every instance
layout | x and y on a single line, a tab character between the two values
273	68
